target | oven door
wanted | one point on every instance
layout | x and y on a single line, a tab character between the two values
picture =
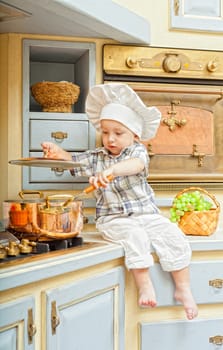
186	86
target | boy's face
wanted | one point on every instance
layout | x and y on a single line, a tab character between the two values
116	136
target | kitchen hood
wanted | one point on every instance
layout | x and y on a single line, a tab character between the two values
95	19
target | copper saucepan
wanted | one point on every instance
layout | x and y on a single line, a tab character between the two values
56	217
39	219
20	215
60	217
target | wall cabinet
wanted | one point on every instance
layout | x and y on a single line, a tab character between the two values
51	60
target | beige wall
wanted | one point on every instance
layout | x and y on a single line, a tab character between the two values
158	14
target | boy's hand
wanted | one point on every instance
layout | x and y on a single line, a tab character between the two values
100	180
50	150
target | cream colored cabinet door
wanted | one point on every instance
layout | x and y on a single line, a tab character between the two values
17	328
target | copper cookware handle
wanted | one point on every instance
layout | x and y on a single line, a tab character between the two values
22	193
67	197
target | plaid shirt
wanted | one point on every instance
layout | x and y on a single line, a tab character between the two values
125	194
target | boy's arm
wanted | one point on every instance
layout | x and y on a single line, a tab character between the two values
124	168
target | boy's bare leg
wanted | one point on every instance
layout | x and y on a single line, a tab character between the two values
147	296
183	292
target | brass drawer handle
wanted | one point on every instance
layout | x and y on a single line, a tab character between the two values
217	283
58	171
55	319
217	340
199	155
31	326
59	135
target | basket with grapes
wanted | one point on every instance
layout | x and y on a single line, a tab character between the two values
196	211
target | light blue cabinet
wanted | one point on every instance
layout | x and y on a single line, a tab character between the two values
87	314
206	283
17	328
183	335
54	61
205	334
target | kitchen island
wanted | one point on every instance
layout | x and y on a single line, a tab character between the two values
86	299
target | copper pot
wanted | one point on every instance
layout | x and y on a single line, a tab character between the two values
20	215
60	217
39	219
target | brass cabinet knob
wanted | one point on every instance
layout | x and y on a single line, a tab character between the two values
131	62
212	66
216	283
217	340
172	64
59	135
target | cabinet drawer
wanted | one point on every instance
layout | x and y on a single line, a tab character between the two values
70	135
183	335
204	283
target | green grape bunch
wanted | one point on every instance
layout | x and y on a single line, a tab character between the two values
188	201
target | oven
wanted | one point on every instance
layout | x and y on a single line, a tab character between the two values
187	87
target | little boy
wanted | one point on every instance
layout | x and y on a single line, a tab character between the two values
125	210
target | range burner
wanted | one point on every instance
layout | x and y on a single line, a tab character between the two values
44	247
11	248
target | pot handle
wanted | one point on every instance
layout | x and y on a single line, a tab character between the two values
22	193
66	197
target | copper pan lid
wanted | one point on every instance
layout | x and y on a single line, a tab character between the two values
46	163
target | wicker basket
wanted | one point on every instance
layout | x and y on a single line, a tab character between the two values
200	223
55	96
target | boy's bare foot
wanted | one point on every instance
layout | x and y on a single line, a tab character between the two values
147	297
185	297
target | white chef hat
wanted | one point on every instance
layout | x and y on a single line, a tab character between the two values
119	102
